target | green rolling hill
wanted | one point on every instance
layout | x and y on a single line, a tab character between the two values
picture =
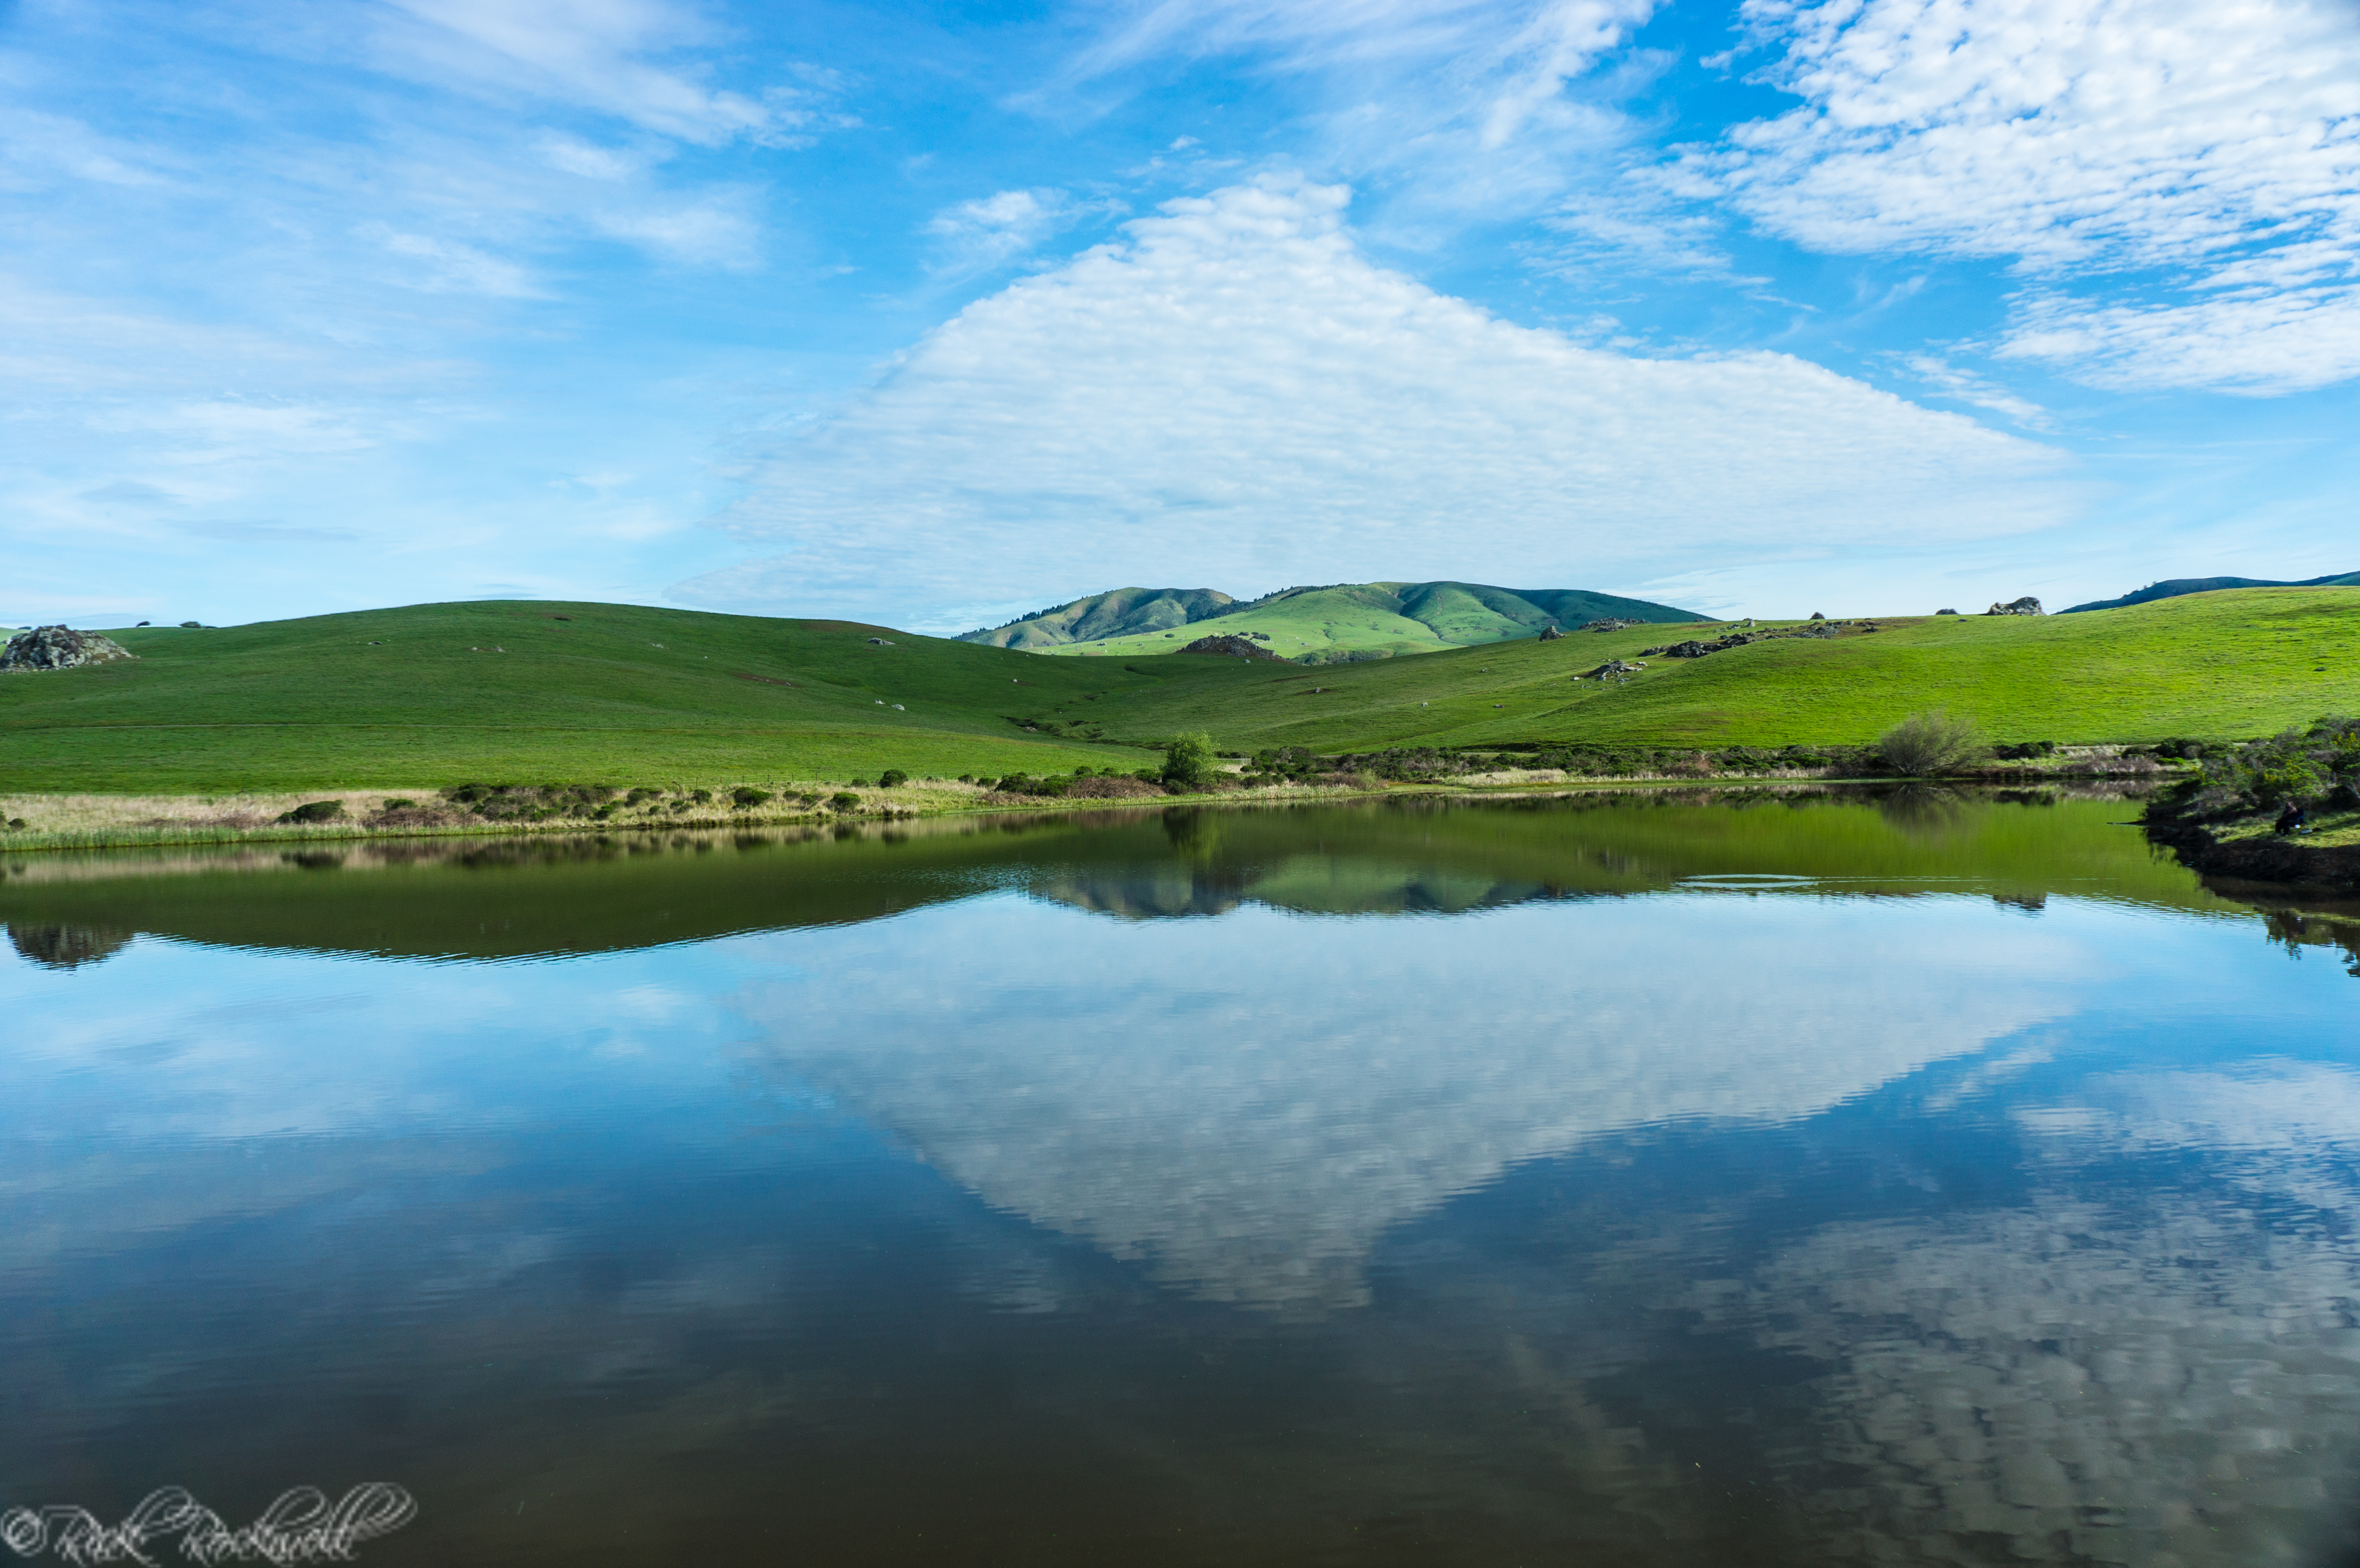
529	692
1125	612
2240	663
2178	586
1342	622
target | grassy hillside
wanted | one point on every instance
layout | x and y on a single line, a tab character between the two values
440	694
623	695
1124	612
1388	619
2238	663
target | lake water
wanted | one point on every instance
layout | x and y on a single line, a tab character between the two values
1670	1179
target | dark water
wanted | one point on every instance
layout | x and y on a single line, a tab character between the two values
1650	1181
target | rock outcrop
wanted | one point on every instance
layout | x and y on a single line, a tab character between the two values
59	648
2028	605
1693	648
1549	633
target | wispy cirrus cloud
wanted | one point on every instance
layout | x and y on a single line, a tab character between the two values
1473	107
1977	391
625	58
2177	181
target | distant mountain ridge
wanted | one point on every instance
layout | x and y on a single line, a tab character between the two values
2174	587
1441	614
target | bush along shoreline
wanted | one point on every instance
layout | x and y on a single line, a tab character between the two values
2284	809
1926	747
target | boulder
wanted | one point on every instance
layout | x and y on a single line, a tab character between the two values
2028	605
1549	633
59	648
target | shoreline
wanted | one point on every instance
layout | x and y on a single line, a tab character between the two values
2260	860
102	823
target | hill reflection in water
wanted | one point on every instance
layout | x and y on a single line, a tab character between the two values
1659	1179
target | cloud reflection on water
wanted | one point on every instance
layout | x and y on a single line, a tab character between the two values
1247	1105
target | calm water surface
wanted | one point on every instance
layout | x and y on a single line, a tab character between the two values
1653	1180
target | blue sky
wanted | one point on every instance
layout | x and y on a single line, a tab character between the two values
934	314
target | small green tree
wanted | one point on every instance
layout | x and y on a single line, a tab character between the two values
892	777
1924	744
1189	762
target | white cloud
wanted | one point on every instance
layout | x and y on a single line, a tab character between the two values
575	156
35	148
1555	36
1235	382
2217	141
594	53
995	230
1471	107
1977	391
448	266
713	230
2253	341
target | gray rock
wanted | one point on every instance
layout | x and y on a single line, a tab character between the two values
1549	633
59	648
2028	605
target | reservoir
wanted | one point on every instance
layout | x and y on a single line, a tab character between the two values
1650	1177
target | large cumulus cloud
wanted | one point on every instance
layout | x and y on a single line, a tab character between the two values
1235	382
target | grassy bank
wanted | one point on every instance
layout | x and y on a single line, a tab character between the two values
408	700
440	693
2216	665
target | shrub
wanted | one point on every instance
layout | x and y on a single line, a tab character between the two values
2316	765
892	778
701	797
844	801
314	811
1927	744
745	796
1025	784
1403	763
1188	761
808	797
639	793
1286	762
398	804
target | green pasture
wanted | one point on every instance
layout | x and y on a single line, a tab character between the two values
2218	665
574	692
535	692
